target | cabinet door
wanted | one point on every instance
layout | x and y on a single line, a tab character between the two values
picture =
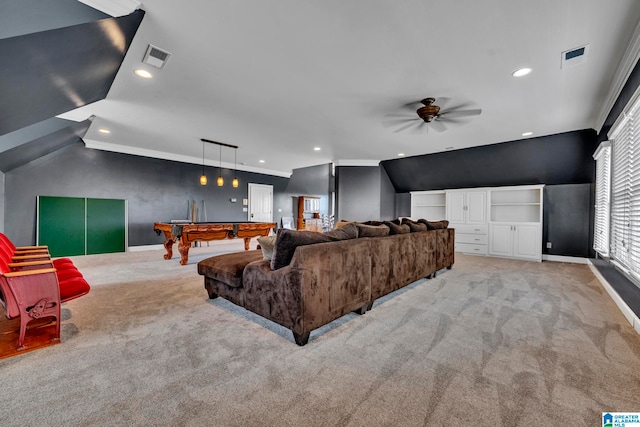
527	243
455	207
501	239
476	207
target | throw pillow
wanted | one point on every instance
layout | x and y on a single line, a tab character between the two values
372	230
396	228
266	244
288	240
373	223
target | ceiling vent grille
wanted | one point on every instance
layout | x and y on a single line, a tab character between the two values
574	56
156	57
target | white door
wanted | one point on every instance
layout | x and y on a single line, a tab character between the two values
501	239
455	207
260	203
527	242
476	207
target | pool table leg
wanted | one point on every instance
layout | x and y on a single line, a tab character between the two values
184	252
247	240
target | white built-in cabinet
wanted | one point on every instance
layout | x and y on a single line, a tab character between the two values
495	221
515	222
467	213
467	206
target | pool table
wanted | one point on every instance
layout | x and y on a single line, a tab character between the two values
187	233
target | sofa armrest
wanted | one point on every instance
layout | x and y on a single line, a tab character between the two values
324	281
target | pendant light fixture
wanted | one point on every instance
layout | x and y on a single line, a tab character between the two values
203	177
220	180
235	182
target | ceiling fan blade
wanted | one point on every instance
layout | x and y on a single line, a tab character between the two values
460	113
442	102
438	126
419	128
400	120
411	106
408	125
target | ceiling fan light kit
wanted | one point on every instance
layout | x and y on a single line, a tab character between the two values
434	116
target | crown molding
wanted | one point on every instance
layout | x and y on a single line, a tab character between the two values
154	154
114	8
626	66
356	162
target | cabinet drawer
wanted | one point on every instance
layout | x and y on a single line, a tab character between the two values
478	239
469	229
470	248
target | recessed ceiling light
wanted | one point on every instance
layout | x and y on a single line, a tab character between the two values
261	161
317	148
521	72
143	73
400	154
104	131
527	134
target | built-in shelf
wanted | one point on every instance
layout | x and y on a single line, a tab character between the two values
430	205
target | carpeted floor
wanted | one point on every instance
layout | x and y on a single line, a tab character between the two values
491	342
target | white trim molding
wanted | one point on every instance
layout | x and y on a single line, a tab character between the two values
567	259
136	151
626	66
626	311
356	162
114	8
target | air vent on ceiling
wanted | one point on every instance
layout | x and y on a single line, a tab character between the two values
574	56
156	57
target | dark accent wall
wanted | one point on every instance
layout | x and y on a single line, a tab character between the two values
156	190
84	58
556	159
364	193
568	219
563	162
22	17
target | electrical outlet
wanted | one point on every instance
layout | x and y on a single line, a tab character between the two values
548	245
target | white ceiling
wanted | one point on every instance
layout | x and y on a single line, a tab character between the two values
278	78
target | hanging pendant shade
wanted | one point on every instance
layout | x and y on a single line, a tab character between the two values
203	177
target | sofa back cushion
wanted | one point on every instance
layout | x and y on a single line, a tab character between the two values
434	225
372	230
288	240
397	228
414	226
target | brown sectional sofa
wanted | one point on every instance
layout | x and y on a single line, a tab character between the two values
324	281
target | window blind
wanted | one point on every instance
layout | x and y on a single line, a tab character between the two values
625	190
602	157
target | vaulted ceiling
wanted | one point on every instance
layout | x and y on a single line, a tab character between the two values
280	78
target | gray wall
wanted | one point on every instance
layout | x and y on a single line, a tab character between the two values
156	190
311	181
364	193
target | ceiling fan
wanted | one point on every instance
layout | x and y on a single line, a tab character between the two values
430	114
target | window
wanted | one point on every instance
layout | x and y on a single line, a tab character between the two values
602	157
625	189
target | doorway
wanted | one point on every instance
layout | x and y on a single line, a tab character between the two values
260	203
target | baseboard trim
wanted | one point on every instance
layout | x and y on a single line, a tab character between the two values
622	306
568	259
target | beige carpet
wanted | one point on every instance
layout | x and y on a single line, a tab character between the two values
492	342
